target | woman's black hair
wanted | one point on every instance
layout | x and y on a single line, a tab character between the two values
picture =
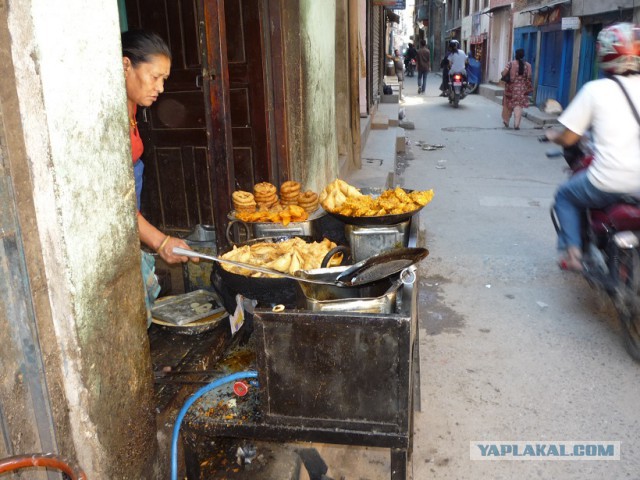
520	57
139	45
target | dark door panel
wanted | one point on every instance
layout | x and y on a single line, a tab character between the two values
174	129
252	162
208	133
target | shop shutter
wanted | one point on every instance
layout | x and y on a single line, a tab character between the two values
376	53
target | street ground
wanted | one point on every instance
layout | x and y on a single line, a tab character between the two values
512	349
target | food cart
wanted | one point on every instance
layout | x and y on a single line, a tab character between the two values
324	375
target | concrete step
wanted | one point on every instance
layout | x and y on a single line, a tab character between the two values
390	110
539	117
379	122
400	141
490	90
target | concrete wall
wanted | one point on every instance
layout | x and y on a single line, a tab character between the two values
591	7
499	48
83	251
314	160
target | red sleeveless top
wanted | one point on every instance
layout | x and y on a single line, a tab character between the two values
136	142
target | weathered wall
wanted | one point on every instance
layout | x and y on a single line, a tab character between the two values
591	7
314	160
70	90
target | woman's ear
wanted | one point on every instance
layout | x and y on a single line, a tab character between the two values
126	65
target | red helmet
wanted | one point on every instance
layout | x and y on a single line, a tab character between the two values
619	48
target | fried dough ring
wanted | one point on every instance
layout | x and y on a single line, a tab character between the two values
264	188
307	198
289	188
241	197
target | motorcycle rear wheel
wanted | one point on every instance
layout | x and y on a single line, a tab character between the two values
628	301
456	100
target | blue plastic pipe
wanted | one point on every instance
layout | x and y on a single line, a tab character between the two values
183	411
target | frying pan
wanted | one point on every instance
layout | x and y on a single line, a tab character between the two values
373	268
377	220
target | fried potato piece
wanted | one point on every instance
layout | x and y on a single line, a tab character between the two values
287	257
390	202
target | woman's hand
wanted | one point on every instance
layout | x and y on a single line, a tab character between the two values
166	251
161	242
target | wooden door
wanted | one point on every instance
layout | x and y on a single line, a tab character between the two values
249	121
177	191
209	132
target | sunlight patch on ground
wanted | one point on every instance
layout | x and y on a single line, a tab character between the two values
413	100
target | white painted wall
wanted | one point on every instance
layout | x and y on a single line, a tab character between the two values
500	48
70	85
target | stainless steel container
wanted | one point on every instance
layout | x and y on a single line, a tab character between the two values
378	297
198	275
368	241
238	231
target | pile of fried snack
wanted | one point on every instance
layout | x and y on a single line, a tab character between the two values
288	256
344	199
264	204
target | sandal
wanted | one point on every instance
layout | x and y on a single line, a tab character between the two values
572	260
506	124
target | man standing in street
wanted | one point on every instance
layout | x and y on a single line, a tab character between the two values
399	69
424	60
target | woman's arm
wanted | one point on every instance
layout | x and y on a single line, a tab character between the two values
160	242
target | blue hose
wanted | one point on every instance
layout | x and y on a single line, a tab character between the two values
176	428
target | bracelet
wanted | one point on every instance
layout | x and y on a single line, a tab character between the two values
164	242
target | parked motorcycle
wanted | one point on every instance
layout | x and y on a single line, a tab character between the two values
611	251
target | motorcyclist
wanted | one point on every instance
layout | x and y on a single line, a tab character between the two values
601	106
411	54
457	58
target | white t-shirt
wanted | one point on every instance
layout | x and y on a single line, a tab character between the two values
458	62
601	105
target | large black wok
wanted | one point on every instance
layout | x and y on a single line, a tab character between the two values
377	220
266	291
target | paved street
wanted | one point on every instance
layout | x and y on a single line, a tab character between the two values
512	349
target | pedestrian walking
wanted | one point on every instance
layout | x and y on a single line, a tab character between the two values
517	89
424	62
444	86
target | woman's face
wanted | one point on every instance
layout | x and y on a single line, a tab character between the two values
145	81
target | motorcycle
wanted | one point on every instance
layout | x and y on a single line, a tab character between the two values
457	88
410	67
611	251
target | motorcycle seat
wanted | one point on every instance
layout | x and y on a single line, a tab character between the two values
619	217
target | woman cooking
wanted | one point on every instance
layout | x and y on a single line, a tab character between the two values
147	62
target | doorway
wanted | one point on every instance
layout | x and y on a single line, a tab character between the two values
210	132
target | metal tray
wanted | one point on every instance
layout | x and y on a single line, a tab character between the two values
379	297
188	308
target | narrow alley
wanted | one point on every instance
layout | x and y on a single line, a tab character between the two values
512	349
